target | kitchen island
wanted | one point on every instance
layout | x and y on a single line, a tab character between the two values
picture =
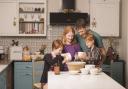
81	81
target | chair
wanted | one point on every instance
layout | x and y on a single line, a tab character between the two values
37	66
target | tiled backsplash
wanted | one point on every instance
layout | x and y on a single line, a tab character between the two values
53	33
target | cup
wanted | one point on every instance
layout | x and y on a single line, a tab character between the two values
89	66
56	70
84	71
94	71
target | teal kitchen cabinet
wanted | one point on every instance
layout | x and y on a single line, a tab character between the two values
117	72
3	80
22	75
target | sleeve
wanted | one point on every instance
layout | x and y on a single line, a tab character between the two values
49	60
59	57
98	56
81	43
76	37
98	40
63	51
45	73
77	48
45	70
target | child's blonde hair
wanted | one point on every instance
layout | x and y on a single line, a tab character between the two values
89	38
57	44
68	29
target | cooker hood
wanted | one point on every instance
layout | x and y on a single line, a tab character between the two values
61	18
68	14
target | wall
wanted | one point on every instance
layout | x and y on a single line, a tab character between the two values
124	38
127	49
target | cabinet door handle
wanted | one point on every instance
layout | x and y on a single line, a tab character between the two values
14	21
28	67
28	74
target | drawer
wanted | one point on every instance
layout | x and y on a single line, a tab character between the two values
23	70
23	65
22	73
23	80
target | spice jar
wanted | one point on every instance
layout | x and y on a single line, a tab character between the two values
26	54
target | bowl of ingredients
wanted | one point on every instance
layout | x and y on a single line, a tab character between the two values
75	66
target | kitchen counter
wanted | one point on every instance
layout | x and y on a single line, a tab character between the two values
81	81
2	67
4	64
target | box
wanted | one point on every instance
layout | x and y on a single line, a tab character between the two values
16	53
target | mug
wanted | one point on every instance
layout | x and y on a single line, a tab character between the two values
56	70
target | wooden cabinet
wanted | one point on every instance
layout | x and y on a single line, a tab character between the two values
3	80
9	76
8	18
104	17
22	75
6	77
23	17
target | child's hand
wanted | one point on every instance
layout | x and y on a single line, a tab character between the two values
65	60
82	56
67	57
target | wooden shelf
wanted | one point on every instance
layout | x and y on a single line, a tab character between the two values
22	12
31	22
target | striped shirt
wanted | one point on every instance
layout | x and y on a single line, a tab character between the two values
94	56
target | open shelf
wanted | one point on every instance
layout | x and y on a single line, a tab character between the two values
32	19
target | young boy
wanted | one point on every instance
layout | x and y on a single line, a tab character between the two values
51	59
93	53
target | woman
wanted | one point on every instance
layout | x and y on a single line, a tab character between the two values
69	42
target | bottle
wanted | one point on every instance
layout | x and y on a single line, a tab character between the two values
26	54
36	27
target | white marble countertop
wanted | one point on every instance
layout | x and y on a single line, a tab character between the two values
2	67
81	81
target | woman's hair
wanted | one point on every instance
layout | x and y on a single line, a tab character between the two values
68	29
57	44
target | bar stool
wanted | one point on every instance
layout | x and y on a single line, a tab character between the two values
37	66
